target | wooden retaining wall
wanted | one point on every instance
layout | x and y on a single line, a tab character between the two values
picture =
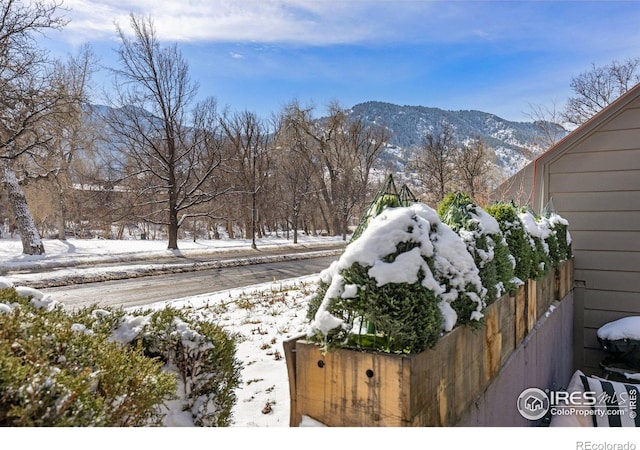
351	388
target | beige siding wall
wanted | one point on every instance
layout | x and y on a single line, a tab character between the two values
595	184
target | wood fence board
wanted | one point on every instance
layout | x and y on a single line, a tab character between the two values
521	323
532	309
310	380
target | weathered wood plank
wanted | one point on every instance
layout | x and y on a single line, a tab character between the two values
545	293
289	347
532	309
521	322
428	376
507	327
310	379
363	388
493	342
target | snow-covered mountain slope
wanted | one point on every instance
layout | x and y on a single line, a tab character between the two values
514	143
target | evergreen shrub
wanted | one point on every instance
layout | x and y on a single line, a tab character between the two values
538	240
414	273
403	282
203	356
56	372
516	236
560	227
104	367
484	240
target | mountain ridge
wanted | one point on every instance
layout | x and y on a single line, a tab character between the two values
515	143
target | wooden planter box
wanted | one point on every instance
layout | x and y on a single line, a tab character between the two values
345	387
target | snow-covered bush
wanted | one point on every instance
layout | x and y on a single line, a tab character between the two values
404	281
539	234
516	236
560	228
482	235
203	356
553	232
105	367
54	371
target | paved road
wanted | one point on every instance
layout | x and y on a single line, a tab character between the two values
156	288
114	267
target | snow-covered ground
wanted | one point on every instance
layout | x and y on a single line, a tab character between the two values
88	251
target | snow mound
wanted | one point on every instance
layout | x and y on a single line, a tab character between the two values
625	328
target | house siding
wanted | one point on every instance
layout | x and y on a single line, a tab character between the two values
595	184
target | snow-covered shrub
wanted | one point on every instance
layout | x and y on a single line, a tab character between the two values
482	235
554	231
516	237
560	227
55	371
538	237
404	281
106	367
550	240
203	356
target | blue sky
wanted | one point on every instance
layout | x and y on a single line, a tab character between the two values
495	56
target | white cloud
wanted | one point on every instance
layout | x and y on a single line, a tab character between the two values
195	20
265	21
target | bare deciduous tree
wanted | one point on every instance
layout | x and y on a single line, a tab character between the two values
71	134
547	120
598	87
296	166
435	165
27	100
168	156
249	162
473	165
346	150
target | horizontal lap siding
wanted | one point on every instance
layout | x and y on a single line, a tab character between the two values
626	120
621	261
609	181
595	185
624	241
611	160
603	221
597	201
